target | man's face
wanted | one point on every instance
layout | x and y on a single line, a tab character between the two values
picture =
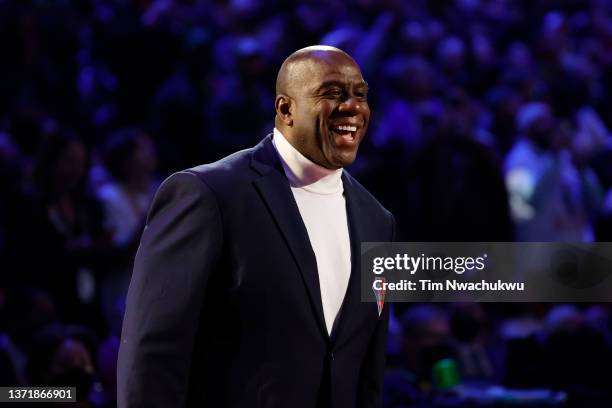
331	112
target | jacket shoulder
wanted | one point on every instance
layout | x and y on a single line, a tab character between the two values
229	168
225	174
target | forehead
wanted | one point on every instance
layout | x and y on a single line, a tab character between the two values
328	66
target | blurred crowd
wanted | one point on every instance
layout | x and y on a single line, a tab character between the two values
520	346
490	123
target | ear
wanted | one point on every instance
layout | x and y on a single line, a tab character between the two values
283	106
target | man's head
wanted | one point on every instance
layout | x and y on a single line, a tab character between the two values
536	121
321	105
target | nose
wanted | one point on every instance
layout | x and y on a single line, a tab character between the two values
352	105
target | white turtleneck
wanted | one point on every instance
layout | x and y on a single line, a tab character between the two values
319	194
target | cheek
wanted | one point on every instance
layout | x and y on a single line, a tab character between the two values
366	113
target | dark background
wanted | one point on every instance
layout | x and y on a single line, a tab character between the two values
490	123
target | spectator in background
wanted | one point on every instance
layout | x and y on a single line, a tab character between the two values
553	194
503	102
478	360
238	94
58	235
425	339
62	355
593	142
575	355
131	159
410	104
451	58
472	204
22	313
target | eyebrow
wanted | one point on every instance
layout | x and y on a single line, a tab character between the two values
333	82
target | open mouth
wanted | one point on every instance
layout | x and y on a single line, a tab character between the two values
345	134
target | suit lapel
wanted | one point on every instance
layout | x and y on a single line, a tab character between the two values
351	306
275	191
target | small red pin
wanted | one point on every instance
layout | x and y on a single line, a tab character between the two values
379	293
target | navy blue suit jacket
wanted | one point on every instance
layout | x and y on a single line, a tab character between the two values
224	307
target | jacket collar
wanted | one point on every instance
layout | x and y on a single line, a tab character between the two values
275	191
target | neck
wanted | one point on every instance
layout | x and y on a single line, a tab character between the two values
304	173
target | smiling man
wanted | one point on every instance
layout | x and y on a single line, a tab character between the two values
246	288
320	92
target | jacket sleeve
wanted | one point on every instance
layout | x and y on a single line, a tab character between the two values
373	367
179	249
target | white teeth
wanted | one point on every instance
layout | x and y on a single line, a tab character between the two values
347	128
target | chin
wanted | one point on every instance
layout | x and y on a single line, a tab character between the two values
345	162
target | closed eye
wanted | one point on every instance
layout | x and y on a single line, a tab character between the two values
361	95
336	92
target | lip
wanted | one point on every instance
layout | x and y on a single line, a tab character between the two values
346	139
